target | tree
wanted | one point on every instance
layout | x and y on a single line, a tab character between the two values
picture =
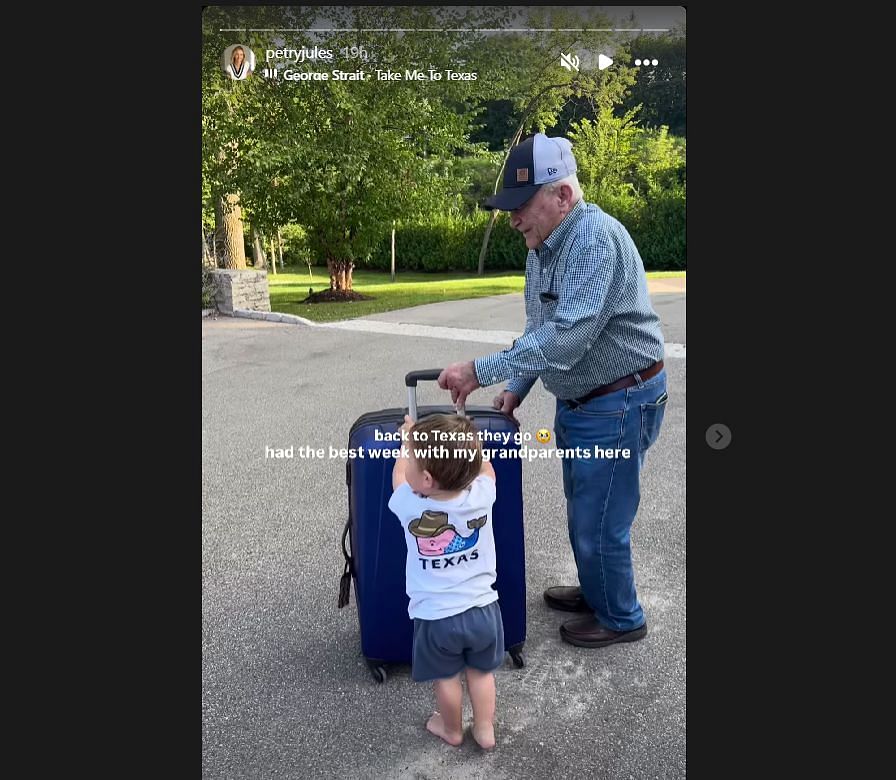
496	124
229	109
345	159
661	90
541	89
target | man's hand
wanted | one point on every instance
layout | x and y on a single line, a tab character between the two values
405	432
401	462
506	402
460	379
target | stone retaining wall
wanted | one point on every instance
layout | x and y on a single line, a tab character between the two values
241	289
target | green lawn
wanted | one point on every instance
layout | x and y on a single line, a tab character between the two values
410	289
665	274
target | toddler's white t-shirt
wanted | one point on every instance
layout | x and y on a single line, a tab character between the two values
451	549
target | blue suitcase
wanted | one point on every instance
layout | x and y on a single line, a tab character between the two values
376	561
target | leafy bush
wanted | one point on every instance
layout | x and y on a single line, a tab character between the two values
447	243
296	250
656	224
208	289
479	174
661	233
623	204
637	175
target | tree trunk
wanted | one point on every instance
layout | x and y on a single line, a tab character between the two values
229	241
392	273
341	273
260	261
495	212
273	257
280	247
488	232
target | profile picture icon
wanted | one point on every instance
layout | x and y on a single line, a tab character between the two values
238	61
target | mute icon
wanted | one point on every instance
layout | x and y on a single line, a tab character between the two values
569	61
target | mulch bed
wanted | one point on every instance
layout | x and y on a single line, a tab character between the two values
335	296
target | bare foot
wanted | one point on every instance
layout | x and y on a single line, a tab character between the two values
484	735
437	726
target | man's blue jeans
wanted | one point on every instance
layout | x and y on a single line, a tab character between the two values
603	493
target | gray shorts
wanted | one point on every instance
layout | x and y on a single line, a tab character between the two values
443	648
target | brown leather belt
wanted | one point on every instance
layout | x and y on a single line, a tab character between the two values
619	384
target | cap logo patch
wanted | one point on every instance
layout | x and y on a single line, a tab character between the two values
552	171
522	174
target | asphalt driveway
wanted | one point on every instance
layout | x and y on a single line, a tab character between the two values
285	692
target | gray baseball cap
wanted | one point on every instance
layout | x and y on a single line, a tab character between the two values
537	160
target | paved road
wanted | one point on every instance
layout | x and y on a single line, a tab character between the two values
506	312
285	691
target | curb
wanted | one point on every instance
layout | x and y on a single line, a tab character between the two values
274	316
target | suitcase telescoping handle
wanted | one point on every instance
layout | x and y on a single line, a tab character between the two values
427	374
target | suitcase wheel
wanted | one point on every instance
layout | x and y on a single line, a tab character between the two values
378	671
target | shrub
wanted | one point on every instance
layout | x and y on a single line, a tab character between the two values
296	250
208	289
661	231
447	243
637	175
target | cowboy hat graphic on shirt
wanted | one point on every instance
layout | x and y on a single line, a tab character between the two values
436	536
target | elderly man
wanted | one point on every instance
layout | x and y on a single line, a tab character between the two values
594	339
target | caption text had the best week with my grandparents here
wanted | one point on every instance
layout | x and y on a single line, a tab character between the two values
436	447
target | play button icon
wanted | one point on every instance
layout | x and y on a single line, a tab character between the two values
603	61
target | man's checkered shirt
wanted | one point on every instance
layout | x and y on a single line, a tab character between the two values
589	320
